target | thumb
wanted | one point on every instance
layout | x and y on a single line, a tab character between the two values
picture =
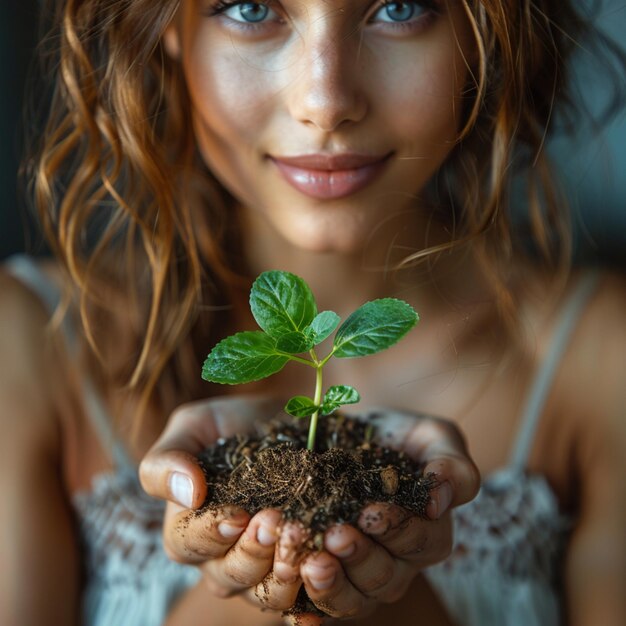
170	469
439	444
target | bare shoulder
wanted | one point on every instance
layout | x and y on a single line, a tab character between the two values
40	553
595	367
28	354
591	386
582	431
593	397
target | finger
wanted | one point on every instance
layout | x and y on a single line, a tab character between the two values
289	552
250	559
369	567
440	445
406	536
276	595
192	537
330	590
170	470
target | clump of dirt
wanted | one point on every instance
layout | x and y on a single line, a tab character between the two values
331	485
328	486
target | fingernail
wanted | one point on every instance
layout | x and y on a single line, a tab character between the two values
181	489
372	521
265	536
228	530
443	500
336	543
285	573
320	577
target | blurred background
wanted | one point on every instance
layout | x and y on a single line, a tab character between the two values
592	163
18	35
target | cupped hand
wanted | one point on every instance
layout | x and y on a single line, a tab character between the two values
235	552
377	562
358	567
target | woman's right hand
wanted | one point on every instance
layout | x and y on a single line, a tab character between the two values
235	552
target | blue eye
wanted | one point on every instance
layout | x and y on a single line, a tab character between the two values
399	12
250	12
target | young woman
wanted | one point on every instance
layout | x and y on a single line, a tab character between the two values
369	147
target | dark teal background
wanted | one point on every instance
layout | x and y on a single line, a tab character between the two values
18	30
592	164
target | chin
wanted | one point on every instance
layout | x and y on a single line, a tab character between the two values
326	232
324	242
324	245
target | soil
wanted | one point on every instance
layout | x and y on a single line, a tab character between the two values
328	486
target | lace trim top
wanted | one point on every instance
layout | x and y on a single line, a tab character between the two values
508	546
130	580
503	570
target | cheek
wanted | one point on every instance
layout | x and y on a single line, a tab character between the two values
219	102
231	105
426	106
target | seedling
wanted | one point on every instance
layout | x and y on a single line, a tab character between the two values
284	307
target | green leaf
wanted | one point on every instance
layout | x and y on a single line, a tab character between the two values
243	358
301	406
374	327
337	396
282	303
323	325
294	342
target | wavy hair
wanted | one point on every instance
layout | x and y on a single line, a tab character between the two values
137	221
518	95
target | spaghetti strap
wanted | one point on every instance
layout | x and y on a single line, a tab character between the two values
26	270
533	409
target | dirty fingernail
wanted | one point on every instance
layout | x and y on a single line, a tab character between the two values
181	489
442	502
284	573
337	543
265	536
372	521
320	577
229	530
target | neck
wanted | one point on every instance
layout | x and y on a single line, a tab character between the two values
343	281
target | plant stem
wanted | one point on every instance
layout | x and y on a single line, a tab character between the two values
310	445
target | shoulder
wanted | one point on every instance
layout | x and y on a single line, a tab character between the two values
40	551
582	431
29	360
594	397
594	367
590	388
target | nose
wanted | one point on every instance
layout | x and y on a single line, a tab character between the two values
326	92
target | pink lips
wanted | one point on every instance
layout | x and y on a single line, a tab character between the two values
329	177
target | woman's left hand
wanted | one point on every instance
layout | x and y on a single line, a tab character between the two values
377	562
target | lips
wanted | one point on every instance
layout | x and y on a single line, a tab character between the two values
329	177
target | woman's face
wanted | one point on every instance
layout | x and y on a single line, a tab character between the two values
324	116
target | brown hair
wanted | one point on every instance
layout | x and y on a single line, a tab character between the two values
119	187
519	94
117	180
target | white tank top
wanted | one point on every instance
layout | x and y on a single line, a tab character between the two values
503	571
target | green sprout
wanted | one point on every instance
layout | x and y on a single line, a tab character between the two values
284	307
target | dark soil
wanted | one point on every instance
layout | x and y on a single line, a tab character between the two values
331	485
